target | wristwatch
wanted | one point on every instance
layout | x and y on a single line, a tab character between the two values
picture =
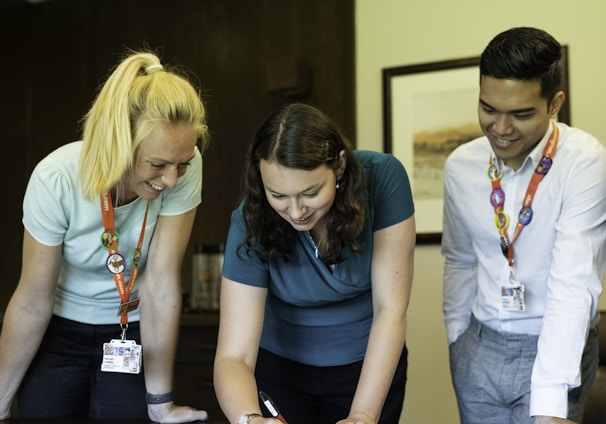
245	419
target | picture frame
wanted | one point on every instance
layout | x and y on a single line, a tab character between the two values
428	110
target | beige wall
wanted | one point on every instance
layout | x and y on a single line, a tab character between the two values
401	32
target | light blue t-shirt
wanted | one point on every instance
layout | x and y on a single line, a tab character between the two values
314	315
55	213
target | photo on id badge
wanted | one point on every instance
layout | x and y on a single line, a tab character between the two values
512	298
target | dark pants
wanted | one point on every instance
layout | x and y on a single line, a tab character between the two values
321	395
65	378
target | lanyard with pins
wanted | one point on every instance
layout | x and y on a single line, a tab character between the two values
116	263
497	195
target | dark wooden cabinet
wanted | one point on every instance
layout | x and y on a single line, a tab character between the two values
194	363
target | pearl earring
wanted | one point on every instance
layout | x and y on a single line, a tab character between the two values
338	186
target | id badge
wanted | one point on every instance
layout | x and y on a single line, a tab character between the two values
512	297
121	356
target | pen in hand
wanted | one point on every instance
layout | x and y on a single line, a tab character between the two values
271	407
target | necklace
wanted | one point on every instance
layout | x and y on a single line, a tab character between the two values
314	245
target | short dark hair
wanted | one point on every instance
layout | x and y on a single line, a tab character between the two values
524	54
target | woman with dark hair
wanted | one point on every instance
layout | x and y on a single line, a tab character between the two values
316	280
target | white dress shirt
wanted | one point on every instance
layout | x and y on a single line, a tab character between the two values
559	256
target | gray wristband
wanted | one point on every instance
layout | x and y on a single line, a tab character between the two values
158	399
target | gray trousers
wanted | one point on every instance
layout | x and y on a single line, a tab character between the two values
491	376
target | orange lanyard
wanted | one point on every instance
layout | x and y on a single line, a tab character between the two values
116	263
497	196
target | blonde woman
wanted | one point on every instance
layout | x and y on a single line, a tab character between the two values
91	329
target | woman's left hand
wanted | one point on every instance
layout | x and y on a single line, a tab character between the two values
171	413
357	419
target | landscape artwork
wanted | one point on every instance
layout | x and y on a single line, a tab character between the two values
430	114
434	138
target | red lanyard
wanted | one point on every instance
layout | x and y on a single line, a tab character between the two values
115	261
497	196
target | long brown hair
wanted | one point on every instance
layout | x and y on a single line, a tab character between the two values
300	136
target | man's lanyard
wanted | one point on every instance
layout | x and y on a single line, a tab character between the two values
497	196
116	263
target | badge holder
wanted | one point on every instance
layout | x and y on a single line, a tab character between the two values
512	295
122	355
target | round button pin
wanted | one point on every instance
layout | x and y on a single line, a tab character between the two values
493	172
115	263
501	220
525	215
110	239
544	166
497	197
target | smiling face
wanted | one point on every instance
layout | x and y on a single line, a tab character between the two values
160	159
514	116
300	197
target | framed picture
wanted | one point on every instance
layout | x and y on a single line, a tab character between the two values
428	110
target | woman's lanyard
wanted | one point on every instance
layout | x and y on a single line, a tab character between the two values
116	263
497	196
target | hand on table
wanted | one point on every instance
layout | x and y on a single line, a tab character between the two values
168	413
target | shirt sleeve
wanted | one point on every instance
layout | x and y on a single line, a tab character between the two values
389	189
238	264
45	204
574	283
459	280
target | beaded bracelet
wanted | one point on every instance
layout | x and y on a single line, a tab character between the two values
158	399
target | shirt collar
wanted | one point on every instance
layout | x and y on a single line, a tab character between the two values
533	157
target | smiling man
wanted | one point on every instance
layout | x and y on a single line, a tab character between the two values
523	243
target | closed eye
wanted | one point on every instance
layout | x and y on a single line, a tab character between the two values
523	117
488	110
163	165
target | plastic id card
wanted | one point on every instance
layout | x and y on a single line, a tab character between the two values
121	356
